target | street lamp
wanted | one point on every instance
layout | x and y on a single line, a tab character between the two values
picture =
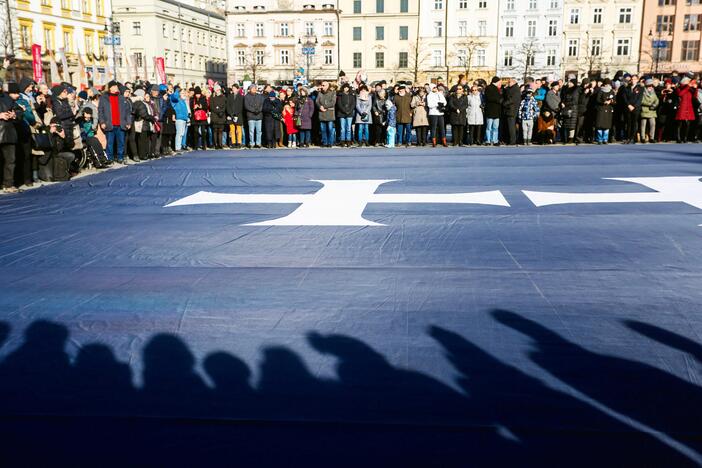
308	52
111	32
656	44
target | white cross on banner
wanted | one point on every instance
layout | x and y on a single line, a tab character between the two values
668	189
339	202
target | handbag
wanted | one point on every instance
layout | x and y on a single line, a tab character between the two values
41	141
200	115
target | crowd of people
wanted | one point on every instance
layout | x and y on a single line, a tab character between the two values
51	133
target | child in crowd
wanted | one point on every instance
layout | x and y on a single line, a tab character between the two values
391	119
289	120
528	111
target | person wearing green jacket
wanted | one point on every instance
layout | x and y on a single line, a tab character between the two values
649	108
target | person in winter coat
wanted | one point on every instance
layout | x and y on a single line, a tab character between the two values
649	107
420	120
474	116
604	113
62	109
235	116
379	115
436	103
511	98
304	113
632	95
345	108
493	110
667	110
143	123
178	102
253	105
272	114
61	144
685	113
115	119
403	103
457	106
168	129
326	103
8	141
584	126
364	106
570	100
218	115
528	112
289	121
198	119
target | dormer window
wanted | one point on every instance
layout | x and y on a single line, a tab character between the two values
328	6
309	6
259	8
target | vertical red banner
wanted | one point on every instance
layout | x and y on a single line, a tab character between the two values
161	69
36	63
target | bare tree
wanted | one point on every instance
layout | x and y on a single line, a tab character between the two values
525	57
416	59
592	59
254	63
470	44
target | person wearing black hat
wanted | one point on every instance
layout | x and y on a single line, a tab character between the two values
61	145
62	108
8	140
235	116
632	96
200	111
115	119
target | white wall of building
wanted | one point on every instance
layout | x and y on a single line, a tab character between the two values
192	40
265	38
530	38
601	35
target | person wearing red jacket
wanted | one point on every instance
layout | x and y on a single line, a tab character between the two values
687	92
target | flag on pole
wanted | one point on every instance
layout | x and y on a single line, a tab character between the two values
83	74
37	69
64	64
55	78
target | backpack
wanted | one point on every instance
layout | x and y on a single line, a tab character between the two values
59	169
44	163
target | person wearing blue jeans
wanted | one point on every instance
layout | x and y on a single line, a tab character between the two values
345	108
328	133
492	131
362	134
346	133
255	133
404	133
115	144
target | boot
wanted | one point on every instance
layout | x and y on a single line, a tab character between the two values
433	142
443	142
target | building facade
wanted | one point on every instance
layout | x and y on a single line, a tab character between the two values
75	28
379	39
191	39
458	37
601	37
273	40
671	31
529	38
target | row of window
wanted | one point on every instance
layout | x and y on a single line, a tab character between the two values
624	17
672	2
664	23
201	37
68	37
192	62
531	28
533	5
284	57
284	29
436	60
85	6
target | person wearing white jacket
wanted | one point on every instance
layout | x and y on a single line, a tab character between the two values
436	103
474	116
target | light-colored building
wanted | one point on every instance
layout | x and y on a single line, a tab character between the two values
191	39
75	26
268	40
530	37
379	38
675	29
458	37
601	37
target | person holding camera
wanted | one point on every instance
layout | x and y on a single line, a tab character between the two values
61	145
436	103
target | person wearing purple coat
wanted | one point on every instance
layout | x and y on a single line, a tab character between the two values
304	109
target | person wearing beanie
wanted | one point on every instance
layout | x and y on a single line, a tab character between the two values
326	104
649	107
218	115
345	109
83	95
198	123
272	114
62	108
604	111
235	116
115	119
570	99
